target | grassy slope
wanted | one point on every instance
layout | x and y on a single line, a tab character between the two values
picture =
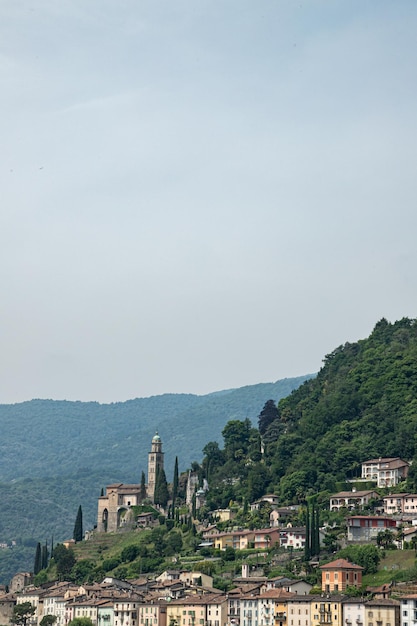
394	561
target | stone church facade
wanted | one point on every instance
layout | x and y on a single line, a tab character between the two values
114	508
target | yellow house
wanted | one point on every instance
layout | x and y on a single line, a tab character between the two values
223	541
281	606
205	610
238	539
327	610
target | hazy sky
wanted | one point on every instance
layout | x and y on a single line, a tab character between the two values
198	195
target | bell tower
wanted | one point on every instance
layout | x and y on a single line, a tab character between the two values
155	463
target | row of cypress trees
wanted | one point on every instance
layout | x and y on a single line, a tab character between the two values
312	544
42	556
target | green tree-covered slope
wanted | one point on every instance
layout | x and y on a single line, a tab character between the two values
361	405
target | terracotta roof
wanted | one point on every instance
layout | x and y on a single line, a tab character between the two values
341	564
393	462
277	593
383	602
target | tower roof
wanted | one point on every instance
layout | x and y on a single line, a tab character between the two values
156	437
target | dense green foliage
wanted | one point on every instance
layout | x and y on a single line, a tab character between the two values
367	556
361	405
21	613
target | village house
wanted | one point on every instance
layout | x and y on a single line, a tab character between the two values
367	527
198	610
410	535
297	586
105	613
223	515
269	498
281	515
20	581
382	613
327	610
281	607
152	613
266	538
353	612
35	596
408	610
87	607
293	538
7	604
55	600
386	472
351	499
239	540
339	574
400	503
299	610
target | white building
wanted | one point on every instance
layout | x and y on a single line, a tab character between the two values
409	610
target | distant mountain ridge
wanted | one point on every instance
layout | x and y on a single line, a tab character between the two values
41	438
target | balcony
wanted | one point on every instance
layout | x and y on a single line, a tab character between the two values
281	615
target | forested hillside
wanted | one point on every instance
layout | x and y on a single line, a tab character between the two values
361	405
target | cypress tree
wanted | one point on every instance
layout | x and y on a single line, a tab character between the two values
44	556
78	526
161	494
38	559
102	492
142	487
307	545
313	549
268	415
175	483
317	531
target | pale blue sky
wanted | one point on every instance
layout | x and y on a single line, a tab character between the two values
200	195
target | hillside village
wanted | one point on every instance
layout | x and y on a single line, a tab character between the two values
317	590
309	518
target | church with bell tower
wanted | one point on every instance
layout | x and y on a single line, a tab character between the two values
155	463
114	508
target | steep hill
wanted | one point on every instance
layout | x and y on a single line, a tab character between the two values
361	405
